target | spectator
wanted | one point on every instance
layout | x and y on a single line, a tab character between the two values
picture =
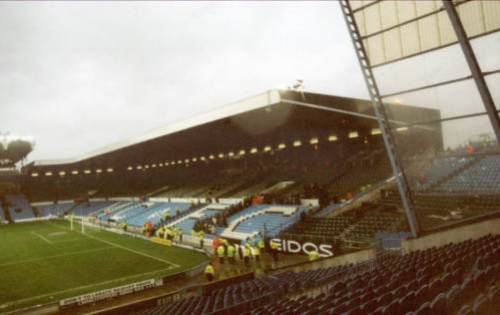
313	255
274	250
256	253
201	237
303	216
246	254
215	245
231	250
221	253
210	272
240	251
179	231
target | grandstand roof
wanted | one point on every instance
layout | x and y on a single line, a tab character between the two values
258	101
266	118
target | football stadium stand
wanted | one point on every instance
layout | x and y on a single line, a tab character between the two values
187	222
438	280
288	202
454	187
364	230
19	208
186	225
482	177
435	209
459	172
133	213
444	167
312	179
68	207
157	212
356	228
132	210
265	219
324	229
288	146
52	209
89	208
118	207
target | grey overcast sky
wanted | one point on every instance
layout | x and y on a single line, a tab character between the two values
81	75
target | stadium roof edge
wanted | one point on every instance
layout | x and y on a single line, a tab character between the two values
268	98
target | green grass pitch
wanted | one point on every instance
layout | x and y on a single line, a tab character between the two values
41	262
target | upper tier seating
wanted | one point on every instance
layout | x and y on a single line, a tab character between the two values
482	177
443	167
438	280
19	208
434	209
359	176
327	163
358	172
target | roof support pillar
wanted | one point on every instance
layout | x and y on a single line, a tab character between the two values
383	120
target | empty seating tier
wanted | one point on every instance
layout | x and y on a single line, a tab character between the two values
482	177
432	281
355	228
19	208
266	219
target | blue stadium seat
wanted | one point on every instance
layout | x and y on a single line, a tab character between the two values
19	208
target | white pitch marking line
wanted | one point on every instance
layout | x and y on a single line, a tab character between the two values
55	256
132	250
70	240
124	248
42	237
85	286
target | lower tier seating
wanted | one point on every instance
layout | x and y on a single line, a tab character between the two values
459	277
356	228
54	209
89	208
266	219
483	177
19	208
437	209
